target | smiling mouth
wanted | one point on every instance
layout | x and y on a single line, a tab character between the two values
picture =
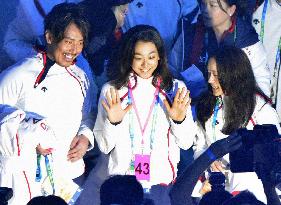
69	57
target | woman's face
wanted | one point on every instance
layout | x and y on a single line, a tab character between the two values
213	77
214	16
145	59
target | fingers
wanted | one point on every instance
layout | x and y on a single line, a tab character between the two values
216	166
182	97
105	106
112	97
74	142
128	108
78	151
42	151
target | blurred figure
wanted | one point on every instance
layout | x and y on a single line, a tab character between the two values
106	18
121	189
47	200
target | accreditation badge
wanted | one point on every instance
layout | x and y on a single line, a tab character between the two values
142	167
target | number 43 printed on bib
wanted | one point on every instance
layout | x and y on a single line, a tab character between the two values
142	167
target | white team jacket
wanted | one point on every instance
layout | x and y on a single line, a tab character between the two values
63	99
20	133
115	140
263	114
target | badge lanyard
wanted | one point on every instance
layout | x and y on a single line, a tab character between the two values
138	160
153	104
49	170
218	105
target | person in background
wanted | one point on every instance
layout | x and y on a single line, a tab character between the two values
269	29
106	18
234	101
226	23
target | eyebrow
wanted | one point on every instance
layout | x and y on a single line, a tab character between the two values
73	39
152	52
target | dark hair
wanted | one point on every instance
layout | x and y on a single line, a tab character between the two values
239	86
121	189
241	6
215	198
61	16
121	68
46	200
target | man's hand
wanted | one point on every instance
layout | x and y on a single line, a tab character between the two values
42	151
78	148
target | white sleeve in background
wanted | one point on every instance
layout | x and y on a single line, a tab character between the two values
257	56
200	142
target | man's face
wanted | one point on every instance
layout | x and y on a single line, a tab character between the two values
65	51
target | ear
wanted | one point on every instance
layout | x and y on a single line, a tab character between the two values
49	37
231	10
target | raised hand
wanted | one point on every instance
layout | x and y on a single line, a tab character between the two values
179	107
115	113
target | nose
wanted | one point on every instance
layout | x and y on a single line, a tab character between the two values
211	78
145	63
73	48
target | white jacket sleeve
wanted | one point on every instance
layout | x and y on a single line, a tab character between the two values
200	142
106	133
257	56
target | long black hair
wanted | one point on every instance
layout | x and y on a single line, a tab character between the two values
120	66
239	86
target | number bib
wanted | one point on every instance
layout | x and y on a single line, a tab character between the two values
142	167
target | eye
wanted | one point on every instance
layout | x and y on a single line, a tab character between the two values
152	57
137	58
68	42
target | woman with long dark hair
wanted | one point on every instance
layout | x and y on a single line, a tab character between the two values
144	115
234	101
